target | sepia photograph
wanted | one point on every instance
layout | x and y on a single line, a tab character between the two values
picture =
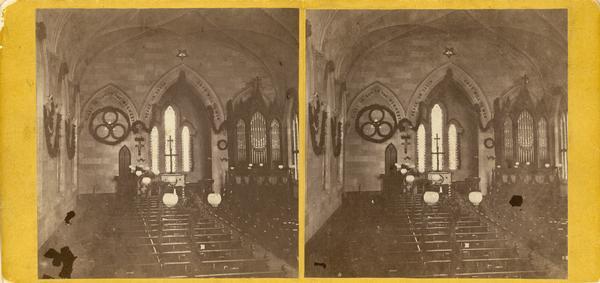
436	143
167	143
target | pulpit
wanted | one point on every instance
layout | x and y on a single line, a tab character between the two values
442	179
172	180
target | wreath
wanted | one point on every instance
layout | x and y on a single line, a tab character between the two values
52	128
313	121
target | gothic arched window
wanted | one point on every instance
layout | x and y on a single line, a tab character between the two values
525	137
154	154
421	138
258	138
542	133
508	139
453	148
563	142
295	150
241	140
275	142
170	123
186	150
437	138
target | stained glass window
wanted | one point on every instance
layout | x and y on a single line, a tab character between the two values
295	150
275	142
453	148
258	138
437	138
563	142
170	123
421	148
525	137
241	140
154	154
542	129
186	151
508	139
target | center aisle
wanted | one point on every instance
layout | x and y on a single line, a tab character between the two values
181	242
398	235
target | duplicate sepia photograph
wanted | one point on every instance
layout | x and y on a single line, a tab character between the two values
436	143
167	143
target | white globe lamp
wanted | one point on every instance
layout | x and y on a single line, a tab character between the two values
475	197
214	199
170	199
431	198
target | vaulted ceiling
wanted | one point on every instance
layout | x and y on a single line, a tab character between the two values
269	36
347	36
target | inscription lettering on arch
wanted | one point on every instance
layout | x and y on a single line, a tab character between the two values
207	95
475	93
109	95
370	95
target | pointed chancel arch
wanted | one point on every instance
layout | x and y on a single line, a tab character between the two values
473	91
207	95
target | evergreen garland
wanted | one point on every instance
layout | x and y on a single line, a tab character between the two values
313	121
52	129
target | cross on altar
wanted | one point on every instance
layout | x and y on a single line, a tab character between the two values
437	153
139	145
405	142
170	155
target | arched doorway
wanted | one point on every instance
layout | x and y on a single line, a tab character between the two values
391	158
123	180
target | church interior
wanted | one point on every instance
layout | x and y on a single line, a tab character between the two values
167	143
436	143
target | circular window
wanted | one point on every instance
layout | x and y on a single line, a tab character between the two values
109	125
376	123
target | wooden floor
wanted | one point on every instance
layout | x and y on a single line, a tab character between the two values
401	236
